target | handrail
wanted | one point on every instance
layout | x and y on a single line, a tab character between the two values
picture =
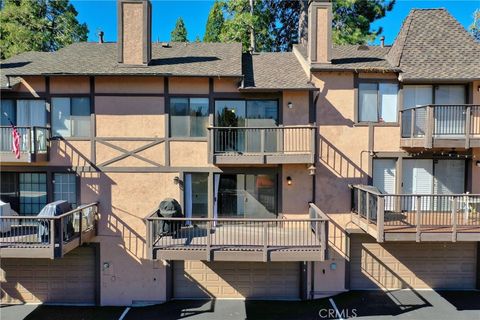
235	219
55	217
367	189
26	127
440	105
269	127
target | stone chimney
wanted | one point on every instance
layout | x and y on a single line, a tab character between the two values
134	32
320	31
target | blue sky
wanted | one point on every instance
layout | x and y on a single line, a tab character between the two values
101	14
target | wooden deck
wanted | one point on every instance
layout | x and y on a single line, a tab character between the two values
406	229
245	239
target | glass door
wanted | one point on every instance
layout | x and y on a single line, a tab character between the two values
262	114
414	96
230	114
247	195
449	113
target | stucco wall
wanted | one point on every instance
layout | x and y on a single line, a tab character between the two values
295	197
125	199
299	114
69	84
183	85
131	84
133	33
33	85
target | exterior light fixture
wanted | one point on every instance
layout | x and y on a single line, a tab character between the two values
290	105
312	170
289	181
477	163
176	180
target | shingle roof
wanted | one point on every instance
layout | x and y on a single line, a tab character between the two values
432	45
87	58
354	58
274	70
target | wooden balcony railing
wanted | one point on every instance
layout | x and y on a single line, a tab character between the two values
418	217
228	239
291	144
441	126
47	237
34	144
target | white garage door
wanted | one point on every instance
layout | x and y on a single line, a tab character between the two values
70	279
411	265
249	280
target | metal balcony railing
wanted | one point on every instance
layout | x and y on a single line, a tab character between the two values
34	144
47	237
238	239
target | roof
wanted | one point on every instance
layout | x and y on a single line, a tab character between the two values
353	58
89	58
433	45
274	70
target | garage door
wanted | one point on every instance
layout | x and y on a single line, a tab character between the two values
255	280
70	279
406	264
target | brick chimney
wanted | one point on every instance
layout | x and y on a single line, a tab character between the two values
320	31
134	32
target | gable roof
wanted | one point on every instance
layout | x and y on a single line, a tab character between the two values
89	58
433	45
352	57
274	70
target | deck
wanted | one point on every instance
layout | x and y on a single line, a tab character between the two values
47	237
238	239
416	217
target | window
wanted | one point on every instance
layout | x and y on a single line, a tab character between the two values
377	102
249	113
33	192
188	117
71	117
384	171
65	188
196	195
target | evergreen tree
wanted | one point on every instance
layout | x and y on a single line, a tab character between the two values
179	33
214	23
38	25
278	24
475	26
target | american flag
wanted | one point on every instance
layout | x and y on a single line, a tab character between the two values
15	141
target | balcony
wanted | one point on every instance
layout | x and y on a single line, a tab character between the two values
34	144
226	239
441	126
416	217
261	145
52	237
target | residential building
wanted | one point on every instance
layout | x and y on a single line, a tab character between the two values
299	174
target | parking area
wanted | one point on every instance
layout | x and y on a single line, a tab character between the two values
401	304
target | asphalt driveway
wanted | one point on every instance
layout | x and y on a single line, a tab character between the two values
402	304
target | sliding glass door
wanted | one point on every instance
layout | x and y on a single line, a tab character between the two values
450	112
246	195
236	116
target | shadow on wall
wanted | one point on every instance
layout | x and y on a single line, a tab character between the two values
339	164
328	114
336	171
68	154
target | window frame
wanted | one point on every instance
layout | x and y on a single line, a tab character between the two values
15	105
358	82
189	137
246	100
70	97
77	186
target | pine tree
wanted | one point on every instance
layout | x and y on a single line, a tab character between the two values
214	23
475	26
179	33
38	25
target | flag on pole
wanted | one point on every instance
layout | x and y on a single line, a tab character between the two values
15	141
